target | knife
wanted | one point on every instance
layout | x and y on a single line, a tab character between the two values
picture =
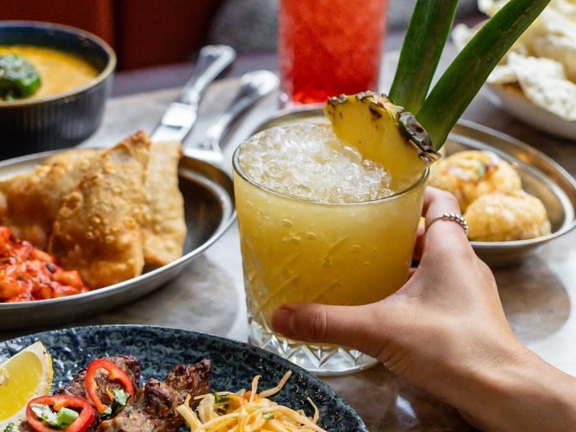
180	116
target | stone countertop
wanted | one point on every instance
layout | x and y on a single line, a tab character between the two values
208	296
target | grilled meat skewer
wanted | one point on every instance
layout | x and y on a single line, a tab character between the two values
127	363
153	408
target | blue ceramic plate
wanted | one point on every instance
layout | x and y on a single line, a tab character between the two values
234	364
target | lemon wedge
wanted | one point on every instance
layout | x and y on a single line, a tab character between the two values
25	375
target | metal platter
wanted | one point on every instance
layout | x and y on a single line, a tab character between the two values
209	211
541	176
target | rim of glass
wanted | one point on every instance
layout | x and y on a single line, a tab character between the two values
238	170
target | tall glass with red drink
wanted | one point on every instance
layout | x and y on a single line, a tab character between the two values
329	47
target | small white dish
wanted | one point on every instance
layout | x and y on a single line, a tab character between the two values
516	104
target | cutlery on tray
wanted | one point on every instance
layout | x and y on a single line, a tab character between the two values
181	115
253	87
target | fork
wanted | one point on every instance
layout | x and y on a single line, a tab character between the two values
253	87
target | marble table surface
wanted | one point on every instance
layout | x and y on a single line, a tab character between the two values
208	296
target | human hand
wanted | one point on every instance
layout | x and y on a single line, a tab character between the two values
448	311
444	330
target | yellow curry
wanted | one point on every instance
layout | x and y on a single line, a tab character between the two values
59	71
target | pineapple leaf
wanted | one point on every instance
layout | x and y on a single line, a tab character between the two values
467	73
431	21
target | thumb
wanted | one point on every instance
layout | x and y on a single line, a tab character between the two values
351	326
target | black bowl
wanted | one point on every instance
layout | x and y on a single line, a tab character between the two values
66	119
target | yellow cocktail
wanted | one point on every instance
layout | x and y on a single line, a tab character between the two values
314	229
318	224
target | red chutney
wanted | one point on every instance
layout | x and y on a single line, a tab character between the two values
27	273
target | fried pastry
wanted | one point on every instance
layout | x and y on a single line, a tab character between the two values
510	216
165	230
98	228
473	173
30	202
103	212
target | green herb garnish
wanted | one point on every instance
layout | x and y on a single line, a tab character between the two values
59	420
10	428
18	78
220	398
120	400
481	169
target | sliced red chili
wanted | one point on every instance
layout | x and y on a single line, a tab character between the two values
114	374
56	403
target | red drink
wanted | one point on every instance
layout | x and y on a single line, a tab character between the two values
329	47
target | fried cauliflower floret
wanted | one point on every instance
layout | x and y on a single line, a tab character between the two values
471	174
501	216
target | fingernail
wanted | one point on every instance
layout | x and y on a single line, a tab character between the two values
282	320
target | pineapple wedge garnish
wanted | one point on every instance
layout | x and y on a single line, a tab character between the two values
387	133
383	132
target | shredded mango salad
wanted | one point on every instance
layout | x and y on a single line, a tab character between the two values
247	411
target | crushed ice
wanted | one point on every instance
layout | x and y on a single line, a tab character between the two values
307	160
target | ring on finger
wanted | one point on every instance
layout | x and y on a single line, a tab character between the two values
453	217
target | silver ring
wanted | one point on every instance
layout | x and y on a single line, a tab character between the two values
454	218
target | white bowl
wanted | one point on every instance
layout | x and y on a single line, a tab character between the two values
517	105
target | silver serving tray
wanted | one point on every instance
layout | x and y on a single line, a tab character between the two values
209	211
541	176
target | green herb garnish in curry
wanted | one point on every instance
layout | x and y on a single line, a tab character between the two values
18	78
